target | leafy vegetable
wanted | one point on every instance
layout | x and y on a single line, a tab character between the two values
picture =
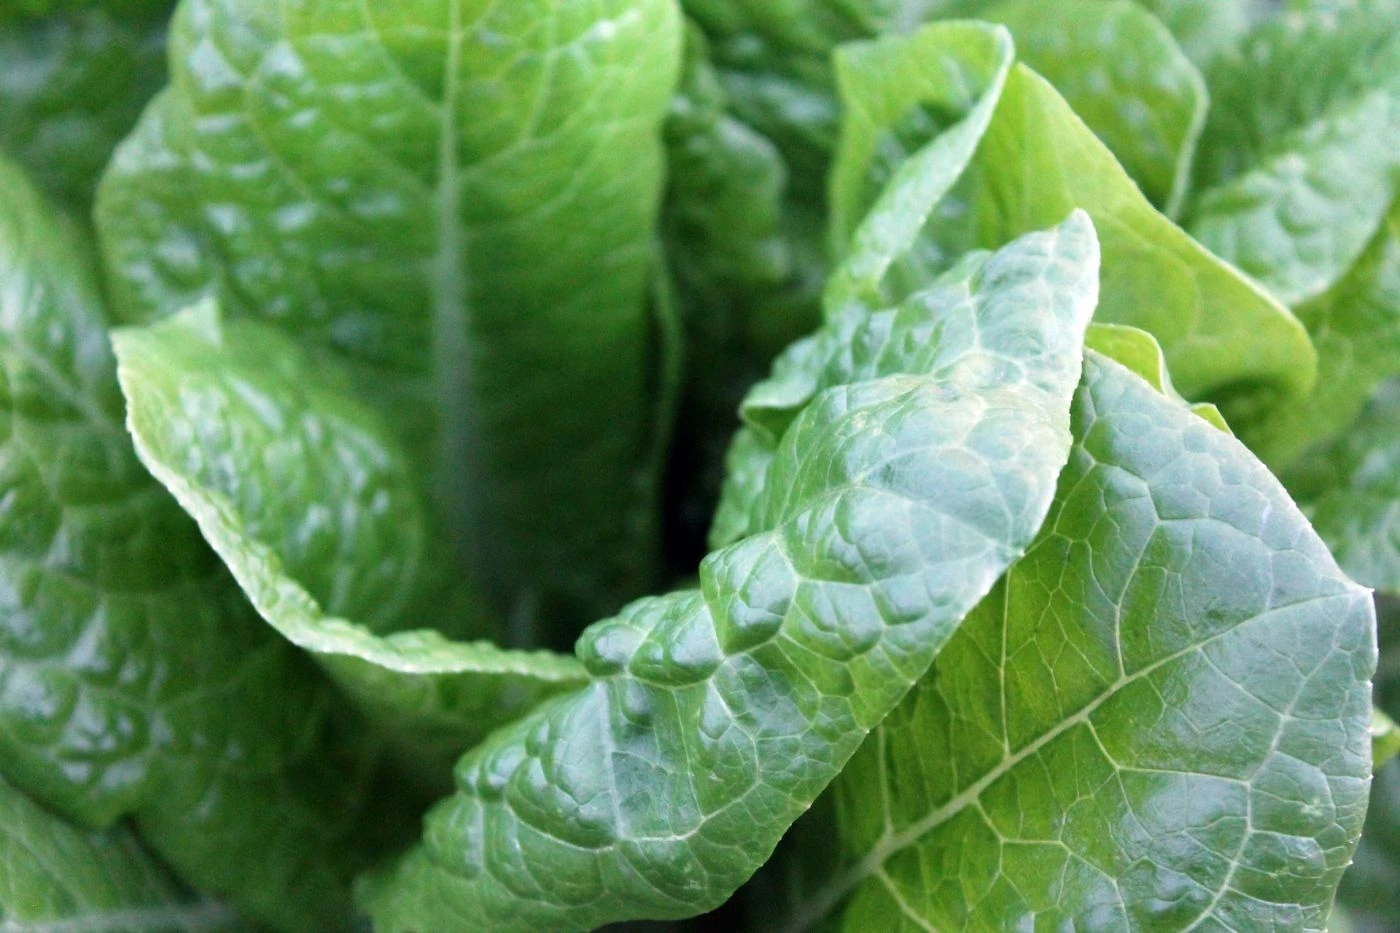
1109	738
450	201
228	417
51	871
679	756
134	678
420	335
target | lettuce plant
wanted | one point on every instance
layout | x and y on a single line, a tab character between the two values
846	465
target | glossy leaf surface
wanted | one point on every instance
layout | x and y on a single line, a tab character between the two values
452	198
134	677
1035	162
306	495
898	494
1157	721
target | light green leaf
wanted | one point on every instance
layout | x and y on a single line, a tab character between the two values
1298	165
134	677
1124	76
1385	738
1140	352
1356	328
304	493
1351	489
457	201
1036	162
55	877
1156	721
74	84
897	497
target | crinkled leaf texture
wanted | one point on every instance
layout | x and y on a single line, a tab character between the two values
56	877
134	677
1034	161
452	198
304	493
898	494
1156	721
74	84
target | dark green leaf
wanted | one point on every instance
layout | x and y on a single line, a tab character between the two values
74	84
134	677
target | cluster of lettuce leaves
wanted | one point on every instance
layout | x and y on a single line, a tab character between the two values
976	425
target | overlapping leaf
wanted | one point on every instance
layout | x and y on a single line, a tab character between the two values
1158	720
715	716
134	677
1036	161
454	200
54	876
305	494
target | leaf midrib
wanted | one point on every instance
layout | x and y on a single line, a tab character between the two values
455	472
873	862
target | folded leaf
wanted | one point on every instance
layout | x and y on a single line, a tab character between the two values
134	677
714	717
54	876
305	494
1157	720
1036	162
457	201
75	83
1350	487
1299	162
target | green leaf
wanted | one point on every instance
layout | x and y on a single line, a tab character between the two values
1350	487
1298	165
1385	738
1356	329
1208	28
714	718
1125	77
125	10
457	202
74	85
305	494
56	877
1140	352
1036	162
134	677
1157	720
